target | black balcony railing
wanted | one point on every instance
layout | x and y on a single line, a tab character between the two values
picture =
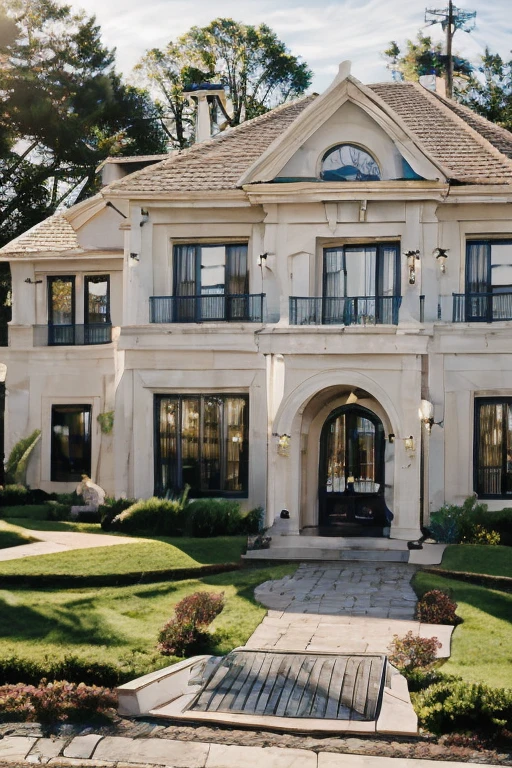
356	310
72	335
482	307
240	308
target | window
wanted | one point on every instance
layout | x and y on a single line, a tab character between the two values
346	162
361	283
488	294
202	441
204	275
71	442
493	447
64	327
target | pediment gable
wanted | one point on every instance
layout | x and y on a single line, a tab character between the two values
353	113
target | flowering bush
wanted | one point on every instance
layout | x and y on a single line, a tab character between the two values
191	617
481	535
50	702
411	652
436	607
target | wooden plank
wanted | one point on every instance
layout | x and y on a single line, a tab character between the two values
360	699
308	699
296	668
280	681
259	684
301	685
218	689
261	705
336	688
248	660
240	703
322	692
346	702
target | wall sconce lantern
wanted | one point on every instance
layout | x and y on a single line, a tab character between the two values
412	257
441	255
426	414
391	438
144	216
283	444
409	444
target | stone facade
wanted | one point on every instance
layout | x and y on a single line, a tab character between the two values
295	373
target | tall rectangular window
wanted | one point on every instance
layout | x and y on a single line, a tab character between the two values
70	442
204	276
493	447
97	299
488	280
202	441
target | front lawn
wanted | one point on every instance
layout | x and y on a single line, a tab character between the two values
478	558
481	649
119	626
142	555
11	536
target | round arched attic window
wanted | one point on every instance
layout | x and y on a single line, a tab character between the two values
346	162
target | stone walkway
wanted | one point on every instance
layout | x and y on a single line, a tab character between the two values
51	542
354	607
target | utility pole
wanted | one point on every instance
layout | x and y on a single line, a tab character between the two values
451	19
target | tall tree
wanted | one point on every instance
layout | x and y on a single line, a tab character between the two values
422	57
489	90
255	67
62	111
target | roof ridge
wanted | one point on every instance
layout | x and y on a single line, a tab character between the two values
444	105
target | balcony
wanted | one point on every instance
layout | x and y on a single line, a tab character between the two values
241	308
72	335
482	307
356	310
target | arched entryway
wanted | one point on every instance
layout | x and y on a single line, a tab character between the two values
351	474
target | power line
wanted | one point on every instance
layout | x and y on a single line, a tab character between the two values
451	19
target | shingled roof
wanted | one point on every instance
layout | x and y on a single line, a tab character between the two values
468	146
53	235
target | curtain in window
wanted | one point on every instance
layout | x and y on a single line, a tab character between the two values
97	308
236	444
494	449
237	276
477	268
185	278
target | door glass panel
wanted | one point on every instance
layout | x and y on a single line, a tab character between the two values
236	443
168	429
210	465
97	299
190	428
61	300
364	475
335	480
360	271
388	271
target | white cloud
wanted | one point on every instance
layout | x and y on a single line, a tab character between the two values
322	33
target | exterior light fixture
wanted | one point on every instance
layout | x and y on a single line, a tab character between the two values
32	282
409	444
144	216
441	255
426	414
412	257
134	256
391	438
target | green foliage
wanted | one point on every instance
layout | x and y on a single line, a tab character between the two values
422	57
212	517
475	558
453	705
14	494
454	524
12	537
27	512
16	466
436	607
192	616
111	508
412	652
159	516
54	702
106	422
489	90
14	669
255	67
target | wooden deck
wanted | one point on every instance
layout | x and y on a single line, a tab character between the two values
296	685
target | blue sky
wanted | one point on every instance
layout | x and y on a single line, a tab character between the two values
323	33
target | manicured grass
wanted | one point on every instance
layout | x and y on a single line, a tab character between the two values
478	558
481	649
33	511
58	525
11	536
119	626
140	556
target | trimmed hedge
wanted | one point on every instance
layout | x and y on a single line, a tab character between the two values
56	701
469	522
14	670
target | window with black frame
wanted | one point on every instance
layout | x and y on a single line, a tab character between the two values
64	328
488	291
70	442
211	282
61	310
202	441
493	447
361	284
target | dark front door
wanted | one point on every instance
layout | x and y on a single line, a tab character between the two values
351	475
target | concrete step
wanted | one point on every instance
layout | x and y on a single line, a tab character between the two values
328	555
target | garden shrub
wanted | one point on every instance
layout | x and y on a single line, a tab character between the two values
412	652
57	701
187	628
17	494
469	523
455	705
111	508
212	517
159	516
28	511
436	607
252	522
57	511
419	678
14	669
16	465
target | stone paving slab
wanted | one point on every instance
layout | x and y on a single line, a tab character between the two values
170	752
82	747
45	749
14	748
270	757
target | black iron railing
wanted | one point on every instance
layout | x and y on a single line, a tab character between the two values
356	310
481	307
72	335
240	308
